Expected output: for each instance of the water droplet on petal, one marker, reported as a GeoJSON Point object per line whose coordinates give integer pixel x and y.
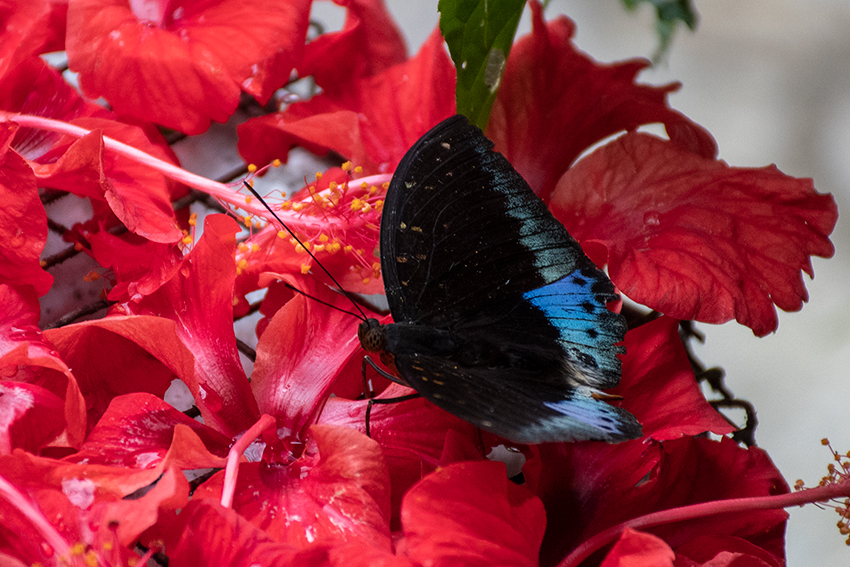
{"type": "Point", "coordinates": [46, 549]}
{"type": "Point", "coordinates": [652, 218]}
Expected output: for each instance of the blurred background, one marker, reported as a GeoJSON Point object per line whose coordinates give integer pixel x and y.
{"type": "Point", "coordinates": [771, 81]}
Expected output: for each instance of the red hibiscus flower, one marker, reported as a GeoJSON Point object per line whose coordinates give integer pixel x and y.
{"type": "Point", "coordinates": [93, 461]}
{"type": "Point", "coordinates": [193, 57]}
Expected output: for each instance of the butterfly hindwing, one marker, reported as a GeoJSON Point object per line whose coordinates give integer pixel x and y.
{"type": "Point", "coordinates": [488, 289]}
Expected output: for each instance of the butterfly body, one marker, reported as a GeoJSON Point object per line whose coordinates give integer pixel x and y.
{"type": "Point", "coordinates": [499, 317]}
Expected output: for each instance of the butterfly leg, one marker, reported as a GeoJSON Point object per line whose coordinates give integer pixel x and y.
{"type": "Point", "coordinates": [368, 360]}
{"type": "Point", "coordinates": [374, 401]}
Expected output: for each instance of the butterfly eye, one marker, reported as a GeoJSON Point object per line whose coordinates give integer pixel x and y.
{"type": "Point", "coordinates": [371, 335]}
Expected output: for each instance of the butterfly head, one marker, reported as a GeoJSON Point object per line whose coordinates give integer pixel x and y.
{"type": "Point", "coordinates": [372, 336]}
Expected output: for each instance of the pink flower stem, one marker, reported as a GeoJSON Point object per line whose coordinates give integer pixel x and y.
{"type": "Point", "coordinates": [231, 469]}
{"type": "Point", "coordinates": [214, 188]}
{"type": "Point", "coordinates": [737, 505]}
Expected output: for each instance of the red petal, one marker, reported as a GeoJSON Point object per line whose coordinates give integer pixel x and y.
{"type": "Point", "coordinates": [193, 60]}
{"type": "Point", "coordinates": [25, 356]}
{"type": "Point", "coordinates": [300, 355]}
{"type": "Point", "coordinates": [695, 238]}
{"type": "Point", "coordinates": [259, 41]}
{"type": "Point", "coordinates": [212, 535]}
{"type": "Point", "coordinates": [589, 487]}
{"type": "Point", "coordinates": [83, 503]}
{"type": "Point", "coordinates": [34, 87]}
{"type": "Point", "coordinates": [724, 552]}
{"type": "Point", "coordinates": [199, 299]}
{"type": "Point", "coordinates": [129, 518]}
{"type": "Point", "coordinates": [416, 437]}
{"type": "Point", "coordinates": [23, 222]}
{"type": "Point", "coordinates": [137, 195]}
{"type": "Point", "coordinates": [471, 514]}
{"type": "Point", "coordinates": [555, 102]}
{"type": "Point", "coordinates": [340, 495]}
{"type": "Point", "coordinates": [28, 28]}
{"type": "Point", "coordinates": [140, 266]}
{"type": "Point", "coordinates": [150, 423]}
{"type": "Point", "coordinates": [373, 122]}
{"type": "Point", "coordinates": [638, 549]}
{"type": "Point", "coordinates": [30, 417]}
{"type": "Point", "coordinates": [119, 355]}
{"type": "Point", "coordinates": [369, 42]}
{"type": "Point", "coordinates": [659, 385]}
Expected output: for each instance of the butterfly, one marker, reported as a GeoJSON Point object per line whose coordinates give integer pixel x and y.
{"type": "Point", "coordinates": [499, 317]}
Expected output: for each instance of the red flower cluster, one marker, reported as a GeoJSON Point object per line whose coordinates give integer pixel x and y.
{"type": "Point", "coordinates": [94, 463]}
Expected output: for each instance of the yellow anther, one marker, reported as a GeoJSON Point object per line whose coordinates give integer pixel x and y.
{"type": "Point", "coordinates": [276, 163]}
{"type": "Point", "coordinates": [318, 248]}
{"type": "Point", "coordinates": [242, 247]}
{"type": "Point", "coordinates": [356, 204]}
{"type": "Point", "coordinates": [249, 198]}
{"type": "Point", "coordinates": [286, 205]}
{"type": "Point", "coordinates": [366, 281]}
{"type": "Point", "coordinates": [186, 240]}
{"type": "Point", "coordinates": [255, 247]}
{"type": "Point", "coordinates": [193, 219]}
{"type": "Point", "coordinates": [348, 248]}
{"type": "Point", "coordinates": [281, 234]}
{"type": "Point", "coordinates": [318, 175]}
{"type": "Point", "coordinates": [252, 168]}
{"type": "Point", "coordinates": [346, 166]}
{"type": "Point", "coordinates": [379, 205]}
{"type": "Point", "coordinates": [297, 206]}
{"type": "Point", "coordinates": [305, 268]}
{"type": "Point", "coordinates": [246, 220]}
{"type": "Point", "coordinates": [358, 169]}
{"type": "Point", "coordinates": [323, 238]}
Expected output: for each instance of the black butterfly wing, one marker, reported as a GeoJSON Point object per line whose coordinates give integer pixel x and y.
{"type": "Point", "coordinates": [510, 408]}
{"type": "Point", "coordinates": [487, 288]}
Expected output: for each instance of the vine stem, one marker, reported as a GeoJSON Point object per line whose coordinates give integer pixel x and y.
{"type": "Point", "coordinates": [807, 496]}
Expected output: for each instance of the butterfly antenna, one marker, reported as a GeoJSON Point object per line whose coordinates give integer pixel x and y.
{"type": "Point", "coordinates": [316, 299]}
{"type": "Point", "coordinates": [359, 313]}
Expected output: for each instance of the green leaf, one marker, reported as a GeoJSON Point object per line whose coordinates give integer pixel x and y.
{"type": "Point", "coordinates": [479, 34]}
{"type": "Point", "coordinates": [668, 14]}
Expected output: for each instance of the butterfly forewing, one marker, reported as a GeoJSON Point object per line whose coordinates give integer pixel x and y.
{"type": "Point", "coordinates": [490, 291]}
